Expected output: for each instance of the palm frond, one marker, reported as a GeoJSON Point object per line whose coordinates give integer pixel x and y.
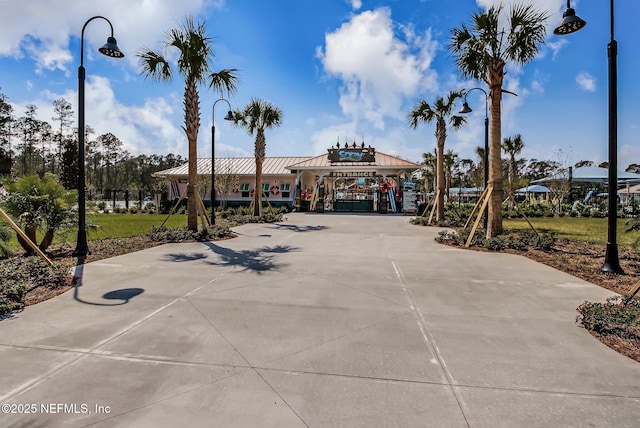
{"type": "Point", "coordinates": [527, 33]}
{"type": "Point", "coordinates": [224, 81]}
{"type": "Point", "coordinates": [153, 65]}
{"type": "Point", "coordinates": [194, 47]}
{"type": "Point", "coordinates": [421, 113]}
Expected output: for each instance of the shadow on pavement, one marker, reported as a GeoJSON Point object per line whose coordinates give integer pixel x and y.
{"type": "Point", "coordinates": [296, 228]}
{"type": "Point", "coordinates": [123, 294]}
{"type": "Point", "coordinates": [176, 257]}
{"type": "Point", "coordinates": [258, 260]}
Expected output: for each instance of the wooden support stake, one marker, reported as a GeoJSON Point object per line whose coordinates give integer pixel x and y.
{"type": "Point", "coordinates": [203, 212]}
{"type": "Point", "coordinates": [475, 208]}
{"type": "Point", "coordinates": [25, 237]}
{"type": "Point", "coordinates": [525, 216]}
{"type": "Point", "coordinates": [172, 211]}
{"type": "Point", "coordinates": [632, 293]}
{"type": "Point", "coordinates": [435, 204]}
{"type": "Point", "coordinates": [480, 213]}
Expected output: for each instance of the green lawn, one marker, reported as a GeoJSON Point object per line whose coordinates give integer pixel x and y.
{"type": "Point", "coordinates": [123, 225]}
{"type": "Point", "coordinates": [579, 228]}
{"type": "Point", "coordinates": [118, 226]}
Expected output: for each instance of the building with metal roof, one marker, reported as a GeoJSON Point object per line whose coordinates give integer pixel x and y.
{"type": "Point", "coordinates": [352, 173]}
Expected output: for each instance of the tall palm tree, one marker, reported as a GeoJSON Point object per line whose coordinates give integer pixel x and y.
{"type": "Point", "coordinates": [450, 161]}
{"type": "Point", "coordinates": [429, 170]}
{"type": "Point", "coordinates": [441, 112]}
{"type": "Point", "coordinates": [481, 52]}
{"type": "Point", "coordinates": [512, 146]}
{"type": "Point", "coordinates": [193, 63]}
{"type": "Point", "coordinates": [257, 116]}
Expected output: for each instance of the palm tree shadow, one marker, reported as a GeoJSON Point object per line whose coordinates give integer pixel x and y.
{"type": "Point", "coordinates": [296, 228]}
{"type": "Point", "coordinates": [259, 260]}
{"type": "Point", "coordinates": [186, 257]}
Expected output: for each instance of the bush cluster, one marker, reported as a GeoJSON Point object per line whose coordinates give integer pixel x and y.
{"type": "Point", "coordinates": [150, 208]}
{"type": "Point", "coordinates": [5, 236]}
{"type": "Point", "coordinates": [22, 274]}
{"type": "Point", "coordinates": [455, 215]}
{"type": "Point", "coordinates": [164, 234]}
{"type": "Point", "coordinates": [242, 215]}
{"type": "Point", "coordinates": [618, 316]}
{"type": "Point", "coordinates": [511, 239]}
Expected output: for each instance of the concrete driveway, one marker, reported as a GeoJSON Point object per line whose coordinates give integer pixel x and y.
{"type": "Point", "coordinates": [323, 320]}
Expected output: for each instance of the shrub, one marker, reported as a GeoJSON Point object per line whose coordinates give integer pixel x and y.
{"type": "Point", "coordinates": [241, 215]}
{"type": "Point", "coordinates": [164, 234]}
{"type": "Point", "coordinates": [39, 203]}
{"type": "Point", "coordinates": [421, 221]}
{"type": "Point", "coordinates": [613, 317]}
{"type": "Point", "coordinates": [455, 215]}
{"type": "Point", "coordinates": [445, 236]}
{"type": "Point", "coordinates": [496, 244]}
{"type": "Point", "coordinates": [633, 225]}
{"type": "Point", "coordinates": [5, 236]}
{"type": "Point", "coordinates": [511, 239]}
{"type": "Point", "coordinates": [23, 274]}
{"type": "Point", "coordinates": [102, 205]}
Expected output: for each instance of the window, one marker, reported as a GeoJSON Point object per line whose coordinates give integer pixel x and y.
{"type": "Point", "coordinates": [244, 190]}
{"type": "Point", "coordinates": [265, 188]}
{"type": "Point", "coordinates": [285, 189]}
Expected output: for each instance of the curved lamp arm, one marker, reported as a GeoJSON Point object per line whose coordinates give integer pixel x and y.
{"type": "Point", "coordinates": [109, 49]}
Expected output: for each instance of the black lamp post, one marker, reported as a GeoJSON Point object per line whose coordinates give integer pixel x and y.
{"type": "Point", "coordinates": [229, 116]}
{"type": "Point", "coordinates": [570, 24]}
{"type": "Point", "coordinates": [466, 109]}
{"type": "Point", "coordinates": [109, 49]}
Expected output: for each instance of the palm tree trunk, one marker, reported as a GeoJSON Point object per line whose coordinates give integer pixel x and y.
{"type": "Point", "coordinates": [192, 124]}
{"type": "Point", "coordinates": [260, 149]}
{"type": "Point", "coordinates": [494, 223]}
{"type": "Point", "coordinates": [512, 171]}
{"type": "Point", "coordinates": [47, 240]}
{"type": "Point", "coordinates": [441, 135]}
{"type": "Point", "coordinates": [30, 232]}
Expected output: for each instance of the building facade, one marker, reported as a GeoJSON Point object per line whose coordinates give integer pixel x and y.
{"type": "Point", "coordinates": [348, 178]}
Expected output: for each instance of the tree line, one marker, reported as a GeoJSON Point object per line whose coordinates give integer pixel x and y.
{"type": "Point", "coordinates": [31, 146]}
{"type": "Point", "coordinates": [520, 172]}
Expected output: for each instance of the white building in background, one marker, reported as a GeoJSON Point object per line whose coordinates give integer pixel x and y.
{"type": "Point", "coordinates": [350, 178]}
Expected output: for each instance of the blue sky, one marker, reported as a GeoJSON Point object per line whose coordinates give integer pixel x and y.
{"type": "Point", "coordinates": [338, 69]}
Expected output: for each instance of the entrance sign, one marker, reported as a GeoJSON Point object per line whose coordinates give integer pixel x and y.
{"type": "Point", "coordinates": [353, 174]}
{"type": "Point", "coordinates": [352, 154]}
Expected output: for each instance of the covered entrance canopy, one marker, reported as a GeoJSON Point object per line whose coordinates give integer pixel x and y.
{"type": "Point", "coordinates": [353, 177]}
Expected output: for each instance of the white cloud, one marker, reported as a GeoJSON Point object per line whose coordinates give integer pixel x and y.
{"type": "Point", "coordinates": [554, 8]}
{"type": "Point", "coordinates": [355, 4]}
{"type": "Point", "coordinates": [556, 45]}
{"type": "Point", "coordinates": [45, 27]}
{"type": "Point", "coordinates": [586, 81]}
{"type": "Point", "coordinates": [378, 70]}
{"type": "Point", "coordinates": [628, 154]}
{"type": "Point", "coordinates": [146, 128]}
{"type": "Point", "coordinates": [330, 135]}
{"type": "Point", "coordinates": [142, 128]}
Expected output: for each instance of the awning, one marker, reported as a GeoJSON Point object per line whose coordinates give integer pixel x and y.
{"type": "Point", "coordinates": [534, 188]}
